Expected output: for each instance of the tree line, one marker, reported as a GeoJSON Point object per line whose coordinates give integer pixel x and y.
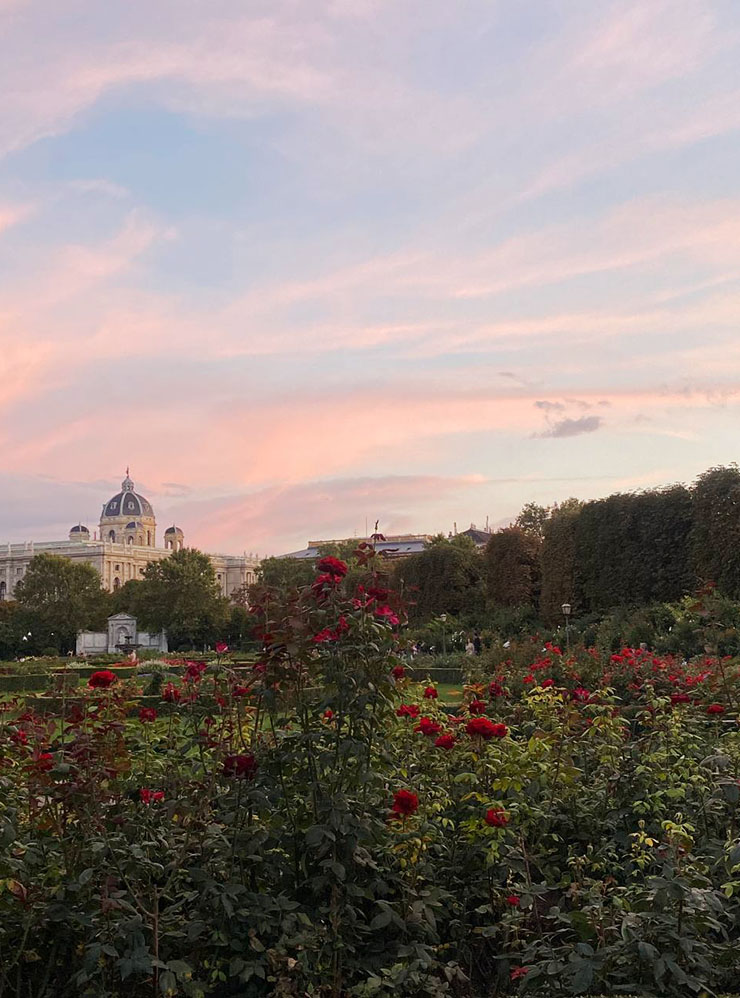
{"type": "Point", "coordinates": [180, 595]}
{"type": "Point", "coordinates": [626, 550]}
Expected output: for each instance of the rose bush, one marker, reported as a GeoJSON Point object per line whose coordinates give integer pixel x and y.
{"type": "Point", "coordinates": [322, 825]}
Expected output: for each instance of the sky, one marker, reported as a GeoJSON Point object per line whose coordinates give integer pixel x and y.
{"type": "Point", "coordinates": [303, 266]}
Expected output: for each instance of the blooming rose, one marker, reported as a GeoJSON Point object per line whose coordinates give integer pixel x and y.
{"type": "Point", "coordinates": [387, 614]}
{"type": "Point", "coordinates": [102, 680]}
{"type": "Point", "coordinates": [680, 698]}
{"type": "Point", "coordinates": [238, 690]}
{"type": "Point", "coordinates": [477, 706]}
{"type": "Point", "coordinates": [481, 727]}
{"type": "Point", "coordinates": [581, 694]}
{"type": "Point", "coordinates": [325, 635]}
{"type": "Point", "coordinates": [147, 796]}
{"type": "Point", "coordinates": [221, 647]}
{"type": "Point", "coordinates": [43, 762]}
{"type": "Point", "coordinates": [547, 683]}
{"type": "Point", "coordinates": [328, 714]}
{"type": "Point", "coordinates": [147, 715]}
{"type": "Point", "coordinates": [428, 727]}
{"type": "Point", "coordinates": [715, 708]}
{"type": "Point", "coordinates": [430, 693]}
{"type": "Point", "coordinates": [170, 693]}
{"type": "Point", "coordinates": [332, 566]}
{"type": "Point", "coordinates": [445, 741]}
{"type": "Point", "coordinates": [398, 672]}
{"type": "Point", "coordinates": [514, 900]}
{"type": "Point", "coordinates": [404, 804]}
{"type": "Point", "coordinates": [408, 710]}
{"type": "Point", "coordinates": [518, 972]}
{"type": "Point", "coordinates": [194, 671]}
{"type": "Point", "coordinates": [496, 817]}
{"type": "Point", "coordinates": [244, 766]}
{"type": "Point", "coordinates": [496, 689]}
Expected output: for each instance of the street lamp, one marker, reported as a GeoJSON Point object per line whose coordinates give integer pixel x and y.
{"type": "Point", "coordinates": [443, 618]}
{"type": "Point", "coordinates": [566, 608]}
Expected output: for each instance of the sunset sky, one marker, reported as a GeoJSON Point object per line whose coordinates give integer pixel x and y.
{"type": "Point", "coordinates": [305, 263]}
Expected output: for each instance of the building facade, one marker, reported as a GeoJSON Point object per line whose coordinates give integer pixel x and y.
{"type": "Point", "coordinates": [120, 550]}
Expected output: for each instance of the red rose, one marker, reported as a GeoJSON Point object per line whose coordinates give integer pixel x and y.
{"type": "Point", "coordinates": [328, 714]}
{"type": "Point", "coordinates": [408, 710]}
{"type": "Point", "coordinates": [715, 708]}
{"type": "Point", "coordinates": [514, 900]}
{"type": "Point", "coordinates": [518, 972]}
{"type": "Point", "coordinates": [547, 683]}
{"type": "Point", "coordinates": [428, 727]}
{"type": "Point", "coordinates": [221, 647]}
{"type": "Point", "coordinates": [528, 679]}
{"type": "Point", "coordinates": [243, 766]}
{"type": "Point", "coordinates": [481, 727]}
{"type": "Point", "coordinates": [170, 693]}
{"type": "Point", "coordinates": [430, 693]}
{"type": "Point", "coordinates": [239, 691]}
{"type": "Point", "coordinates": [477, 706]}
{"type": "Point", "coordinates": [147, 796]}
{"type": "Point", "coordinates": [680, 698]}
{"type": "Point", "coordinates": [147, 715]}
{"type": "Point", "coordinates": [332, 566]}
{"type": "Point", "coordinates": [398, 672]}
{"type": "Point", "coordinates": [496, 818]}
{"type": "Point", "coordinates": [43, 762]}
{"type": "Point", "coordinates": [445, 741]}
{"type": "Point", "coordinates": [404, 804]}
{"type": "Point", "coordinates": [194, 671]}
{"type": "Point", "coordinates": [102, 680]}
{"type": "Point", "coordinates": [386, 613]}
{"type": "Point", "coordinates": [496, 689]}
{"type": "Point", "coordinates": [581, 694]}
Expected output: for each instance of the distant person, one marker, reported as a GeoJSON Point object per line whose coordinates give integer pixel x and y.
{"type": "Point", "coordinates": [470, 647]}
{"type": "Point", "coordinates": [477, 643]}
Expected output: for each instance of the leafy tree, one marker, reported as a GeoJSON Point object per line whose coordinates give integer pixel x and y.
{"type": "Point", "coordinates": [181, 596]}
{"type": "Point", "coordinates": [285, 573]}
{"type": "Point", "coordinates": [447, 577]}
{"type": "Point", "coordinates": [715, 534]}
{"type": "Point", "coordinates": [57, 598]}
{"type": "Point", "coordinates": [512, 567]}
{"type": "Point", "coordinates": [558, 560]}
{"type": "Point", "coordinates": [125, 599]}
{"type": "Point", "coordinates": [532, 518]}
{"type": "Point", "coordinates": [11, 630]}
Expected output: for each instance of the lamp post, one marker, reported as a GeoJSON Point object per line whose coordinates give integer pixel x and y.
{"type": "Point", "coordinates": [566, 608]}
{"type": "Point", "coordinates": [443, 618]}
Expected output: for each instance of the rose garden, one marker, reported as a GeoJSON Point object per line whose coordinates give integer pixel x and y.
{"type": "Point", "coordinates": [323, 819]}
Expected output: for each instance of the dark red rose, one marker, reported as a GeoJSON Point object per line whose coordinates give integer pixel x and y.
{"type": "Point", "coordinates": [388, 614]}
{"type": "Point", "coordinates": [514, 900]}
{"type": "Point", "coordinates": [323, 636]}
{"type": "Point", "coordinates": [477, 706]}
{"type": "Point", "coordinates": [147, 715]}
{"type": "Point", "coordinates": [398, 672]}
{"type": "Point", "coordinates": [445, 741]}
{"type": "Point", "coordinates": [715, 708]}
{"type": "Point", "coordinates": [194, 671]}
{"type": "Point", "coordinates": [170, 693]}
{"type": "Point", "coordinates": [547, 683]}
{"type": "Point", "coordinates": [243, 766]}
{"type": "Point", "coordinates": [408, 710]}
{"type": "Point", "coordinates": [332, 566]}
{"type": "Point", "coordinates": [43, 762]}
{"type": "Point", "coordinates": [237, 690]}
{"type": "Point", "coordinates": [430, 693]}
{"type": "Point", "coordinates": [221, 647]}
{"type": "Point", "coordinates": [482, 727]}
{"type": "Point", "coordinates": [581, 694]}
{"type": "Point", "coordinates": [496, 689]}
{"type": "Point", "coordinates": [328, 714]}
{"type": "Point", "coordinates": [496, 817]}
{"type": "Point", "coordinates": [428, 727]}
{"type": "Point", "coordinates": [405, 803]}
{"type": "Point", "coordinates": [102, 680]}
{"type": "Point", "coordinates": [147, 796]}
{"type": "Point", "coordinates": [680, 698]}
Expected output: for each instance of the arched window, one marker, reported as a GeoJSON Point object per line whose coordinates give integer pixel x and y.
{"type": "Point", "coordinates": [148, 538]}
{"type": "Point", "coordinates": [116, 583]}
{"type": "Point", "coordinates": [3, 588]}
{"type": "Point", "coordinates": [131, 540]}
{"type": "Point", "coordinates": [112, 536]}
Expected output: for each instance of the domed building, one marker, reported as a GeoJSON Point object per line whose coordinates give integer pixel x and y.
{"type": "Point", "coordinates": [124, 546]}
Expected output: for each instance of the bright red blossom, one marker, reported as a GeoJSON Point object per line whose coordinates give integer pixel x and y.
{"type": "Point", "coordinates": [102, 680]}
{"type": "Point", "coordinates": [147, 796]}
{"type": "Point", "coordinates": [332, 566]}
{"type": "Point", "coordinates": [514, 900]}
{"type": "Point", "coordinates": [428, 727]}
{"type": "Point", "coordinates": [481, 727]}
{"type": "Point", "coordinates": [445, 741]}
{"type": "Point", "coordinates": [405, 803]}
{"type": "Point", "coordinates": [408, 710]}
{"type": "Point", "coordinates": [430, 693]}
{"type": "Point", "coordinates": [496, 817]}
{"type": "Point", "coordinates": [715, 708]}
{"type": "Point", "coordinates": [477, 706]}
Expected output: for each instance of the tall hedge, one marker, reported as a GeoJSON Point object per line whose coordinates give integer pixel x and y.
{"type": "Point", "coordinates": [715, 535]}
{"type": "Point", "coordinates": [558, 560]}
{"type": "Point", "coordinates": [512, 559]}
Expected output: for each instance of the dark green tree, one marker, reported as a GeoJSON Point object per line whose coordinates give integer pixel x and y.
{"type": "Point", "coordinates": [11, 630]}
{"type": "Point", "coordinates": [286, 573]}
{"type": "Point", "coordinates": [447, 577]}
{"type": "Point", "coordinates": [57, 598]}
{"type": "Point", "coordinates": [558, 561]}
{"type": "Point", "coordinates": [181, 596]}
{"type": "Point", "coordinates": [512, 568]}
{"type": "Point", "coordinates": [715, 534]}
{"type": "Point", "coordinates": [533, 518]}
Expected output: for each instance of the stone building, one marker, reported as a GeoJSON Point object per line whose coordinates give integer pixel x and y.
{"type": "Point", "coordinates": [122, 547]}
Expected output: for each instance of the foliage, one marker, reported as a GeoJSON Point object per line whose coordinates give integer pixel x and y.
{"type": "Point", "coordinates": [181, 596]}
{"type": "Point", "coordinates": [715, 532]}
{"type": "Point", "coordinates": [558, 560]}
{"type": "Point", "coordinates": [285, 572]}
{"type": "Point", "coordinates": [57, 598]}
{"type": "Point", "coordinates": [513, 568]}
{"type": "Point", "coordinates": [533, 518]}
{"type": "Point", "coordinates": [445, 578]}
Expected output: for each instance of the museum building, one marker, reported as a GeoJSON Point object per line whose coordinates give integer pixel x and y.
{"type": "Point", "coordinates": [120, 550]}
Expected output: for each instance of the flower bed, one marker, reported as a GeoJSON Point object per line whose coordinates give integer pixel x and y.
{"type": "Point", "coordinates": [320, 824]}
